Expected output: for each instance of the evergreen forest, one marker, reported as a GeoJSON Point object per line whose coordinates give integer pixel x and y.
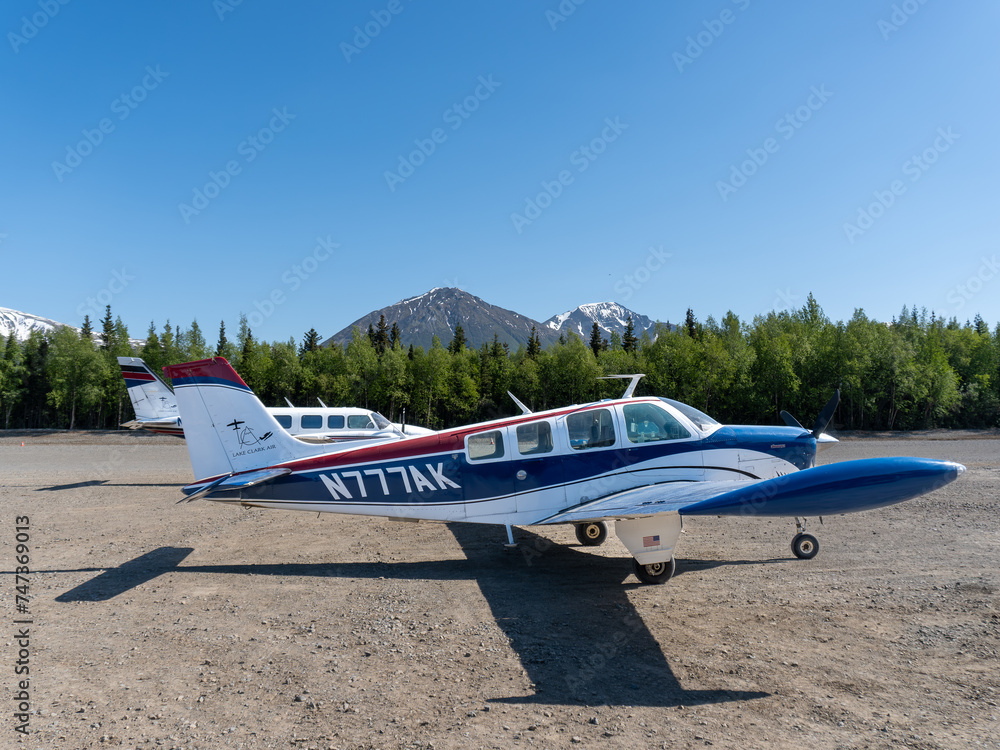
{"type": "Point", "coordinates": [917, 371]}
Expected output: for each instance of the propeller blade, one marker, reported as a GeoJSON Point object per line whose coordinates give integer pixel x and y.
{"type": "Point", "coordinates": [790, 420]}
{"type": "Point", "coordinates": [826, 416]}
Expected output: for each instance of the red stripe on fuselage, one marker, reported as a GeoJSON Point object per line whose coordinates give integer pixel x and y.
{"type": "Point", "coordinates": [448, 441]}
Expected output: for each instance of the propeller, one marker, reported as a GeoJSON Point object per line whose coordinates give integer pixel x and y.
{"type": "Point", "coordinates": [822, 421]}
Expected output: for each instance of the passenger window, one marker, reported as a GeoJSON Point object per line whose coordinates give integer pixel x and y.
{"type": "Point", "coordinates": [591, 429]}
{"type": "Point", "coordinates": [311, 421]}
{"type": "Point", "coordinates": [360, 422]}
{"type": "Point", "coordinates": [648, 423]}
{"type": "Point", "coordinates": [535, 437]}
{"type": "Point", "coordinates": [486, 445]}
{"type": "Point", "coordinates": [285, 420]}
{"type": "Point", "coordinates": [335, 422]}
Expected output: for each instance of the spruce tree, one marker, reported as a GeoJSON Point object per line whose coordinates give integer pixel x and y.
{"type": "Point", "coordinates": [629, 340]}
{"type": "Point", "coordinates": [458, 342]}
{"type": "Point", "coordinates": [690, 323]}
{"type": "Point", "coordinates": [381, 341]}
{"type": "Point", "coordinates": [534, 345]}
{"type": "Point", "coordinates": [87, 331]}
{"type": "Point", "coordinates": [310, 342]}
{"type": "Point", "coordinates": [108, 329]}
{"type": "Point", "coordinates": [394, 335]}
{"type": "Point", "coordinates": [595, 339]}
{"type": "Point", "coordinates": [220, 348]}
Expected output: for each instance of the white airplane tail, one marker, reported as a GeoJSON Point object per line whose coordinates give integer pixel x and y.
{"type": "Point", "coordinates": [228, 430]}
{"type": "Point", "coordinates": [151, 398]}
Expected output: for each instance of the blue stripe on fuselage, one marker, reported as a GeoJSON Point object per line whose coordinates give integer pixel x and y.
{"type": "Point", "coordinates": [429, 479]}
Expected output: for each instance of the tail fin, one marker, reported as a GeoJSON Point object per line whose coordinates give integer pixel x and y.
{"type": "Point", "coordinates": [228, 430]}
{"type": "Point", "coordinates": [151, 398]}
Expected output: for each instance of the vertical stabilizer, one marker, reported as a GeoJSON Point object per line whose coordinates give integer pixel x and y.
{"type": "Point", "coordinates": [151, 398]}
{"type": "Point", "coordinates": [227, 428]}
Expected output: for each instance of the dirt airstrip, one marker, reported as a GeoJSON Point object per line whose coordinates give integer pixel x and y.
{"type": "Point", "coordinates": [162, 625]}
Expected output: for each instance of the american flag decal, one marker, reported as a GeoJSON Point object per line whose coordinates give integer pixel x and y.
{"type": "Point", "coordinates": [651, 541]}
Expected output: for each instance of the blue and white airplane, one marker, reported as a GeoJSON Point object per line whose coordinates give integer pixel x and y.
{"type": "Point", "coordinates": [643, 463]}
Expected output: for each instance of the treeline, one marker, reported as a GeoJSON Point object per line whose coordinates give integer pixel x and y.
{"type": "Point", "coordinates": [918, 371]}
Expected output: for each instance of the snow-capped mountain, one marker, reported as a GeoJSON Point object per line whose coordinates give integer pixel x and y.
{"type": "Point", "coordinates": [609, 316]}
{"type": "Point", "coordinates": [22, 324]}
{"type": "Point", "coordinates": [437, 312]}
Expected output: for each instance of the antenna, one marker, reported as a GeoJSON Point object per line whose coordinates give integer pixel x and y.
{"type": "Point", "coordinates": [321, 403]}
{"type": "Point", "coordinates": [524, 409]}
{"type": "Point", "coordinates": [631, 386]}
{"type": "Point", "coordinates": [289, 402]}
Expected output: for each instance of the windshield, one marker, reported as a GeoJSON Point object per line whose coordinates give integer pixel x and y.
{"type": "Point", "coordinates": [380, 421]}
{"type": "Point", "coordinates": [700, 418]}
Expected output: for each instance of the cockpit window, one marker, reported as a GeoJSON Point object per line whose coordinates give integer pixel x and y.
{"type": "Point", "coordinates": [380, 421]}
{"type": "Point", "coordinates": [594, 428]}
{"type": "Point", "coordinates": [700, 418]}
{"type": "Point", "coordinates": [359, 422]}
{"type": "Point", "coordinates": [647, 423]}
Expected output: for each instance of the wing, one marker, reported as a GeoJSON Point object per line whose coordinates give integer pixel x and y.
{"type": "Point", "coordinates": [843, 487]}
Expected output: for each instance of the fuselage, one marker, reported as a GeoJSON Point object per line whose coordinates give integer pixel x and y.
{"type": "Point", "coordinates": [523, 469]}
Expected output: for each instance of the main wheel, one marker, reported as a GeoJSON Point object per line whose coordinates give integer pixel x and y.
{"type": "Point", "coordinates": [656, 573]}
{"type": "Point", "coordinates": [805, 546]}
{"type": "Point", "coordinates": [591, 534]}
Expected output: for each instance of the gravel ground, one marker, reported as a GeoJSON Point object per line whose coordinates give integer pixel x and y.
{"type": "Point", "coordinates": [156, 624]}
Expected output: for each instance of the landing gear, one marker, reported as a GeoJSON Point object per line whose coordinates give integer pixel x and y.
{"type": "Point", "coordinates": [654, 573]}
{"type": "Point", "coordinates": [804, 546]}
{"type": "Point", "coordinates": [591, 534]}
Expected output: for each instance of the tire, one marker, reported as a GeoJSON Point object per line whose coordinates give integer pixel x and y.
{"type": "Point", "coordinates": [591, 534]}
{"type": "Point", "coordinates": [655, 573]}
{"type": "Point", "coordinates": [805, 546]}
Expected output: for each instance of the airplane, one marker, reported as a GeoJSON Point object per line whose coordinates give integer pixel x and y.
{"type": "Point", "coordinates": [644, 463]}
{"type": "Point", "coordinates": [156, 410]}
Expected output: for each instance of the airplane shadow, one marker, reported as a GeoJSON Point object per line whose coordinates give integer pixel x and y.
{"type": "Point", "coordinates": [116, 581]}
{"type": "Point", "coordinates": [103, 483]}
{"type": "Point", "coordinates": [566, 613]}
{"type": "Point", "coordinates": [568, 616]}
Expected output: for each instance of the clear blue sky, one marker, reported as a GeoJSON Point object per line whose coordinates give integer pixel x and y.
{"type": "Point", "coordinates": [745, 142]}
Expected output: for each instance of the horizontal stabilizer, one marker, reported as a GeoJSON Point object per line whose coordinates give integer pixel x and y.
{"type": "Point", "coordinates": [234, 482]}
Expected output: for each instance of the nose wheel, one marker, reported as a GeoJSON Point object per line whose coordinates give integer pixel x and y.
{"type": "Point", "coordinates": [654, 573]}
{"type": "Point", "coordinates": [804, 546]}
